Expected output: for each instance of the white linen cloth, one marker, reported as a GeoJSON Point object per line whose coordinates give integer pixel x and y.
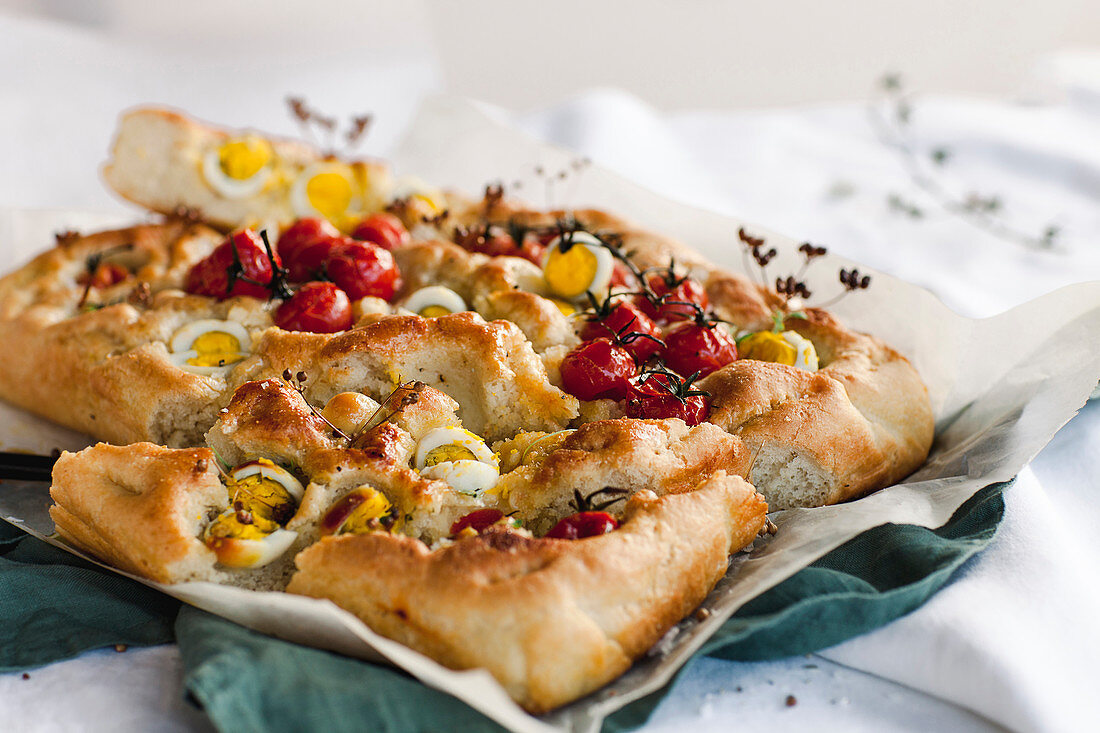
{"type": "Point", "coordinates": [1013, 638]}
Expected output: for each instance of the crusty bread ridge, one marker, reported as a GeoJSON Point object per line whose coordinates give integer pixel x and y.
{"type": "Point", "coordinates": [551, 619]}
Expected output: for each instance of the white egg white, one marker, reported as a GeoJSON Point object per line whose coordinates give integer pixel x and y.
{"type": "Point", "coordinates": [466, 476]}
{"type": "Point", "coordinates": [184, 338]}
{"type": "Point", "coordinates": [605, 261]}
{"type": "Point", "coordinates": [807, 354]}
{"type": "Point", "coordinates": [234, 552]}
{"type": "Point", "coordinates": [435, 295]}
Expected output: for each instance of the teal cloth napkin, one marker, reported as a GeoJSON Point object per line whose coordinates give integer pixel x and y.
{"type": "Point", "coordinates": [56, 606]}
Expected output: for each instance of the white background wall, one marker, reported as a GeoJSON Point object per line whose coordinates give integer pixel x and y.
{"type": "Point", "coordinates": [686, 54]}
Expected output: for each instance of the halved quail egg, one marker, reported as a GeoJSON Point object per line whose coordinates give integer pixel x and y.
{"type": "Point", "coordinates": [239, 167]}
{"type": "Point", "coordinates": [458, 457]}
{"type": "Point", "coordinates": [209, 346]}
{"type": "Point", "coordinates": [325, 189]}
{"type": "Point", "coordinates": [419, 196]}
{"type": "Point", "coordinates": [359, 511]}
{"type": "Point", "coordinates": [262, 499]}
{"type": "Point", "coordinates": [577, 263]}
{"type": "Point", "coordinates": [434, 301]}
{"type": "Point", "coordinates": [786, 347]}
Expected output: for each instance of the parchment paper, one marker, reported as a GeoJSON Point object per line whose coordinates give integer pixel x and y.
{"type": "Point", "coordinates": [1000, 388]}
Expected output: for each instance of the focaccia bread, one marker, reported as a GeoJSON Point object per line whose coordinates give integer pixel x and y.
{"type": "Point", "coordinates": [442, 413]}
{"type": "Point", "coordinates": [565, 615]}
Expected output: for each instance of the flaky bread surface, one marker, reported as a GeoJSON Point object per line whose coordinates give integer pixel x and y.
{"type": "Point", "coordinates": [551, 619]}
{"type": "Point", "coordinates": [157, 163]}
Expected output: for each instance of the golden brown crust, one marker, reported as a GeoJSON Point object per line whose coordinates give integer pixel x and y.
{"type": "Point", "coordinates": [664, 456]}
{"type": "Point", "coordinates": [551, 619]}
{"type": "Point", "coordinates": [140, 507]}
{"type": "Point", "coordinates": [488, 368]}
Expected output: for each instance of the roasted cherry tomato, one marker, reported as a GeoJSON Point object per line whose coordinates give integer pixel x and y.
{"type": "Point", "coordinates": [655, 399]}
{"type": "Point", "coordinates": [598, 368]}
{"type": "Point", "coordinates": [223, 275]}
{"type": "Point", "coordinates": [673, 292]}
{"type": "Point", "coordinates": [622, 277]}
{"type": "Point", "coordinates": [499, 243]}
{"type": "Point", "coordinates": [383, 229]}
{"type": "Point", "coordinates": [692, 347]}
{"type": "Point", "coordinates": [478, 520]}
{"type": "Point", "coordinates": [305, 247]}
{"type": "Point", "coordinates": [583, 524]}
{"type": "Point", "coordinates": [625, 321]}
{"type": "Point", "coordinates": [105, 275]}
{"type": "Point", "coordinates": [317, 307]}
{"type": "Point", "coordinates": [362, 269]}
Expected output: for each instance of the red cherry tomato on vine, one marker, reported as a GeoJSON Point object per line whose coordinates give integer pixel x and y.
{"type": "Point", "coordinates": [317, 307]}
{"type": "Point", "coordinates": [683, 291]}
{"type": "Point", "coordinates": [305, 247]}
{"type": "Point", "coordinates": [383, 229]}
{"type": "Point", "coordinates": [626, 317]}
{"type": "Point", "coordinates": [596, 369]}
{"type": "Point", "coordinates": [105, 275]}
{"type": "Point", "coordinates": [654, 400]}
{"type": "Point", "coordinates": [691, 348]}
{"type": "Point", "coordinates": [583, 524]}
{"type": "Point", "coordinates": [362, 269]}
{"type": "Point", "coordinates": [222, 275]}
{"type": "Point", "coordinates": [478, 520]}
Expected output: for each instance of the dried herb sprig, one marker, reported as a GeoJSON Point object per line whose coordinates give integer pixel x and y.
{"type": "Point", "coordinates": [297, 381]}
{"type": "Point", "coordinates": [311, 120]}
{"type": "Point", "coordinates": [582, 503]}
{"type": "Point", "coordinates": [891, 114]}
{"type": "Point", "coordinates": [679, 387]}
{"type": "Point", "coordinates": [92, 263]}
{"type": "Point", "coordinates": [792, 289]}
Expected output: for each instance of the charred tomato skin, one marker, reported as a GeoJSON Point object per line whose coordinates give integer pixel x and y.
{"type": "Point", "coordinates": [692, 347]}
{"type": "Point", "coordinates": [478, 520]}
{"type": "Point", "coordinates": [597, 369]}
{"type": "Point", "coordinates": [305, 247]}
{"type": "Point", "coordinates": [362, 269]}
{"type": "Point", "coordinates": [317, 307]}
{"type": "Point", "coordinates": [626, 317]}
{"type": "Point", "coordinates": [383, 229]}
{"type": "Point", "coordinates": [223, 274]}
{"type": "Point", "coordinates": [652, 400]}
{"type": "Point", "coordinates": [583, 524]}
{"type": "Point", "coordinates": [673, 296]}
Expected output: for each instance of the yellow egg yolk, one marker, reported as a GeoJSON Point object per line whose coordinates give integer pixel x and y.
{"type": "Point", "coordinates": [329, 193]}
{"type": "Point", "coordinates": [570, 274]}
{"type": "Point", "coordinates": [425, 202]}
{"type": "Point", "coordinates": [445, 453]}
{"type": "Point", "coordinates": [216, 348]}
{"type": "Point", "coordinates": [268, 501]}
{"type": "Point", "coordinates": [242, 159]}
{"type": "Point", "coordinates": [567, 309]}
{"type": "Point", "coordinates": [364, 517]}
{"type": "Point", "coordinates": [434, 311]}
{"type": "Point", "coordinates": [230, 526]}
{"type": "Point", "coordinates": [768, 346]}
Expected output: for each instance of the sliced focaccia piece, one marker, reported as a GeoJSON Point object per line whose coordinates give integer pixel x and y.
{"type": "Point", "coordinates": [551, 619]}
{"type": "Point", "coordinates": [165, 161]}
